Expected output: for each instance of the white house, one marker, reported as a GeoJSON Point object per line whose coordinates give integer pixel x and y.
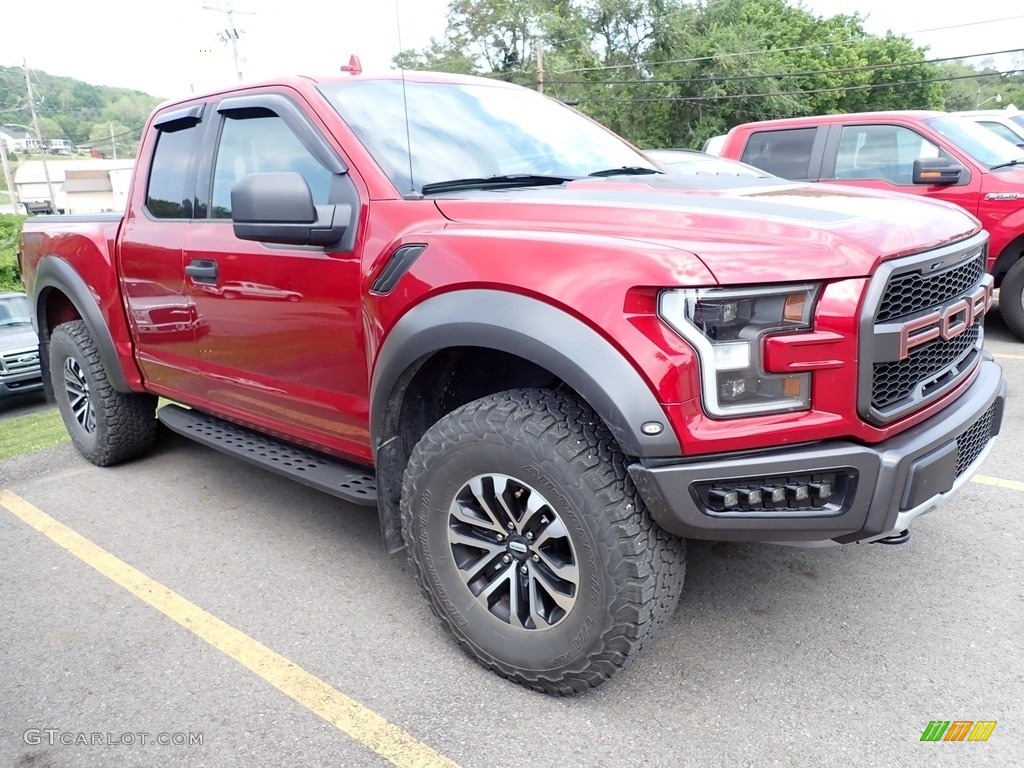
{"type": "Point", "coordinates": [80, 186]}
{"type": "Point", "coordinates": [17, 141]}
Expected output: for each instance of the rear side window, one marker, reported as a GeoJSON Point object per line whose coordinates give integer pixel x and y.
{"type": "Point", "coordinates": [784, 153]}
{"type": "Point", "coordinates": [170, 191]}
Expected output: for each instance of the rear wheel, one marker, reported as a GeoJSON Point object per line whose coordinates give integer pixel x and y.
{"type": "Point", "coordinates": [531, 543]}
{"type": "Point", "coordinates": [105, 425]}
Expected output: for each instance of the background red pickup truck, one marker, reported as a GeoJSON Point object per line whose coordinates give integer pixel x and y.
{"type": "Point", "coordinates": [932, 154]}
{"type": "Point", "coordinates": [543, 360]}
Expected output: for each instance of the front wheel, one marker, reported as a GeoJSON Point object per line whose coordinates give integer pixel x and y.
{"type": "Point", "coordinates": [532, 544]}
{"type": "Point", "coordinates": [105, 425]}
{"type": "Point", "coordinates": [1011, 299]}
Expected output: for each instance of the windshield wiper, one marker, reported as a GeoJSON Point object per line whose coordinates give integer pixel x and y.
{"type": "Point", "coordinates": [627, 170]}
{"type": "Point", "coordinates": [1008, 163]}
{"type": "Point", "coordinates": [508, 180]}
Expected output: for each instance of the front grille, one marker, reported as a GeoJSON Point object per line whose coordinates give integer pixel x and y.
{"type": "Point", "coordinates": [910, 293]}
{"type": "Point", "coordinates": [972, 441]}
{"type": "Point", "coordinates": [894, 381]}
{"type": "Point", "coordinates": [939, 294]}
{"type": "Point", "coordinates": [20, 361]}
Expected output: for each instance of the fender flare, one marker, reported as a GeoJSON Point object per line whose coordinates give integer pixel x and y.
{"type": "Point", "coordinates": [53, 273]}
{"type": "Point", "coordinates": [534, 331]}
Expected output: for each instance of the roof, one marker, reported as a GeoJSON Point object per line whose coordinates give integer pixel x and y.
{"type": "Point", "coordinates": [31, 171]}
{"type": "Point", "coordinates": [301, 82]}
{"type": "Point", "coordinates": [813, 120]}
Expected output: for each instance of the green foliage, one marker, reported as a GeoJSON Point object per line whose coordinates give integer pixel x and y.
{"type": "Point", "coordinates": [73, 110]}
{"type": "Point", "coordinates": [32, 432]}
{"type": "Point", "coordinates": [675, 72]}
{"type": "Point", "coordinates": [10, 229]}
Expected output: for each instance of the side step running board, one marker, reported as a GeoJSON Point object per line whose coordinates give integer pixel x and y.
{"type": "Point", "coordinates": [325, 473]}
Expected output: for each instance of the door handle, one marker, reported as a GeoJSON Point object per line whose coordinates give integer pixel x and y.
{"type": "Point", "coordinates": [202, 270]}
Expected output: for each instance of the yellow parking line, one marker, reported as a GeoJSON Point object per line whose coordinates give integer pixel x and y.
{"type": "Point", "coordinates": [362, 724]}
{"type": "Point", "coordinates": [1008, 357]}
{"type": "Point", "coordinates": [1014, 485]}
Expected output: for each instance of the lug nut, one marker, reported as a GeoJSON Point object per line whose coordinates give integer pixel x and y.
{"type": "Point", "coordinates": [506, 559]}
{"type": "Point", "coordinates": [536, 558]}
{"type": "Point", "coordinates": [529, 535]}
{"type": "Point", "coordinates": [510, 526]}
{"type": "Point", "coordinates": [501, 537]}
{"type": "Point", "coordinates": [523, 569]}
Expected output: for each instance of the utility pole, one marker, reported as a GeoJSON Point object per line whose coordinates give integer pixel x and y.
{"type": "Point", "coordinates": [113, 143]}
{"type": "Point", "coordinates": [39, 135]}
{"type": "Point", "coordinates": [231, 33]}
{"type": "Point", "coordinates": [9, 177]}
{"type": "Point", "coordinates": [540, 66]}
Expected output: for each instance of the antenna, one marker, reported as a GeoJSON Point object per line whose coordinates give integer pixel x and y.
{"type": "Point", "coordinates": [413, 194]}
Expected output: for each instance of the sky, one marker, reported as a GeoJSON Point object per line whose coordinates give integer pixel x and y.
{"type": "Point", "coordinates": [171, 49]}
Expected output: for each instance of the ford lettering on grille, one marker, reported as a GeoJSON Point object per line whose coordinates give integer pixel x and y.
{"type": "Point", "coordinates": [947, 323]}
{"type": "Point", "coordinates": [921, 331]}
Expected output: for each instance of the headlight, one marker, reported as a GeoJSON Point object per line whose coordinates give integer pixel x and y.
{"type": "Point", "coordinates": [727, 327]}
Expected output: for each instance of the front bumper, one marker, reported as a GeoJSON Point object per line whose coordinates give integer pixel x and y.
{"type": "Point", "coordinates": [878, 490]}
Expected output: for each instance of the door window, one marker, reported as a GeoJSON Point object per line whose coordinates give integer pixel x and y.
{"type": "Point", "coordinates": [170, 189]}
{"type": "Point", "coordinates": [881, 152]}
{"type": "Point", "coordinates": [262, 144]}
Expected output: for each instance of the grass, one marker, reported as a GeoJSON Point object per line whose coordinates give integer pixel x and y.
{"type": "Point", "coordinates": [35, 431]}
{"type": "Point", "coordinates": [31, 432]}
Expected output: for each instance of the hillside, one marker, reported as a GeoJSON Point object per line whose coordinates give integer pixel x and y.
{"type": "Point", "coordinates": [81, 113]}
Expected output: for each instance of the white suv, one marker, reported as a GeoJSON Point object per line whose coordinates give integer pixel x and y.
{"type": "Point", "coordinates": [1006, 123]}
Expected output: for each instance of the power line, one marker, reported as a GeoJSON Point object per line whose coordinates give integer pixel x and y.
{"type": "Point", "coordinates": [806, 73]}
{"type": "Point", "coordinates": [838, 89]}
{"type": "Point", "coordinates": [819, 44]}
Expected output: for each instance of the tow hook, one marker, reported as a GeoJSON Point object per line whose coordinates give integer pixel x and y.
{"type": "Point", "coordinates": [899, 538]}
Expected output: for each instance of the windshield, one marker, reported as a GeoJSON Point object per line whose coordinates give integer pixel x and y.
{"type": "Point", "coordinates": [976, 140]}
{"type": "Point", "coordinates": [14, 310]}
{"type": "Point", "coordinates": [1018, 119]}
{"type": "Point", "coordinates": [459, 130]}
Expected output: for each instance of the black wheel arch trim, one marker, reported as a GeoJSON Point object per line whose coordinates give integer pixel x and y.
{"type": "Point", "coordinates": [535, 331]}
{"type": "Point", "coordinates": [53, 273]}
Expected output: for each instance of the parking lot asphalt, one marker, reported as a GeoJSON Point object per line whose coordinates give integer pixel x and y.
{"type": "Point", "coordinates": [248, 621]}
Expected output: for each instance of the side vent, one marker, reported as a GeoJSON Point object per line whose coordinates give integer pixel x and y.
{"type": "Point", "coordinates": [397, 266]}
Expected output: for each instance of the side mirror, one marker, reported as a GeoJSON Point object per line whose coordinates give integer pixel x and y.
{"type": "Point", "coordinates": [278, 208]}
{"type": "Point", "coordinates": [937, 170]}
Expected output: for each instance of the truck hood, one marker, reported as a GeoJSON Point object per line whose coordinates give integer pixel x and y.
{"type": "Point", "coordinates": [17, 337]}
{"type": "Point", "coordinates": [742, 229]}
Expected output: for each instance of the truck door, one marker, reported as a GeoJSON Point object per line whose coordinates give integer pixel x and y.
{"type": "Point", "coordinates": [157, 218]}
{"type": "Point", "coordinates": [882, 155]}
{"type": "Point", "coordinates": [281, 343]}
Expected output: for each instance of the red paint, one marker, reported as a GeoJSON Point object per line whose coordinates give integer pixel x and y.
{"type": "Point", "coordinates": [995, 197]}
{"type": "Point", "coordinates": [287, 340]}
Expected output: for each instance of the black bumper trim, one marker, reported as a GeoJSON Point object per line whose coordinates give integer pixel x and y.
{"type": "Point", "coordinates": [891, 476]}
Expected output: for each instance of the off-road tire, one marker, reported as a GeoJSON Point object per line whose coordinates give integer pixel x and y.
{"type": "Point", "coordinates": [1011, 299]}
{"type": "Point", "coordinates": [630, 571]}
{"type": "Point", "coordinates": [105, 425]}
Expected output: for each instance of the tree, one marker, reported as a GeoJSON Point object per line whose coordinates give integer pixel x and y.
{"type": "Point", "coordinates": [672, 73]}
